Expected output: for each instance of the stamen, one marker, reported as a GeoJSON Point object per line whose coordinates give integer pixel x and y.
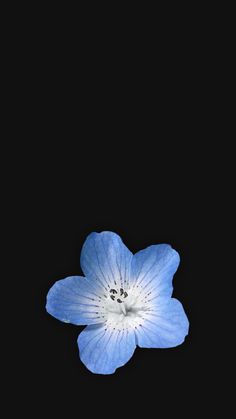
{"type": "Point", "coordinates": [113, 291]}
{"type": "Point", "coordinates": [123, 309]}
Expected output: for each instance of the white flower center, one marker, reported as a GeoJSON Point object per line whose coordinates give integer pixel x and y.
{"type": "Point", "coordinates": [124, 308]}
{"type": "Point", "coordinates": [119, 298]}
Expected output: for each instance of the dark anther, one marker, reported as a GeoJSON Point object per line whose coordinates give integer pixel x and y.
{"type": "Point", "coordinates": [125, 294]}
{"type": "Point", "coordinates": [119, 300]}
{"type": "Point", "coordinates": [121, 291]}
{"type": "Point", "coordinates": [113, 291]}
{"type": "Point", "coordinates": [112, 297]}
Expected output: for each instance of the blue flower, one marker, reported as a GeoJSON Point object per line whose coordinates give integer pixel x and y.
{"type": "Point", "coordinates": [124, 299]}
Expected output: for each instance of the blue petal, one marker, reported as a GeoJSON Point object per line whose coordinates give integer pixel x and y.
{"type": "Point", "coordinates": [164, 326]}
{"type": "Point", "coordinates": [102, 349]}
{"type": "Point", "coordinates": [76, 300]}
{"type": "Point", "coordinates": [153, 269]}
{"type": "Point", "coordinates": [106, 260]}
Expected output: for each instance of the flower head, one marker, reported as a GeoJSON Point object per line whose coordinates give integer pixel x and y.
{"type": "Point", "coordinates": [124, 299]}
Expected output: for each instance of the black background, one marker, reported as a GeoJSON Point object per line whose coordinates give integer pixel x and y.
{"type": "Point", "coordinates": [149, 193]}
{"type": "Point", "coordinates": [134, 152]}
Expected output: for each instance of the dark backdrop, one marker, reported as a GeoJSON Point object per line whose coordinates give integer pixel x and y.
{"type": "Point", "coordinates": [149, 187]}
{"type": "Point", "coordinates": [131, 152]}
